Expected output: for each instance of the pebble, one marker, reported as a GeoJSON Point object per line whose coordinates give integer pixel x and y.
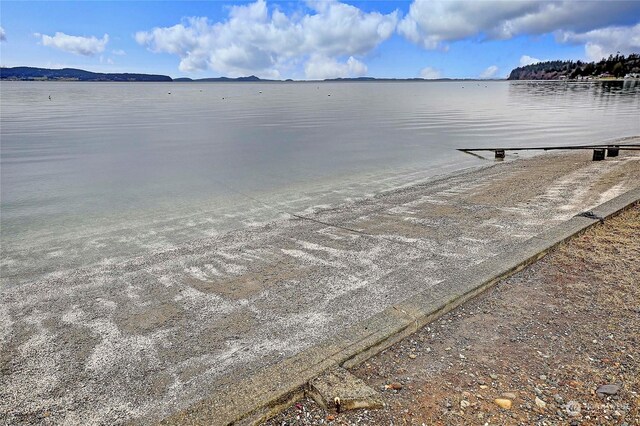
{"type": "Point", "coordinates": [464, 403]}
{"type": "Point", "coordinates": [493, 376]}
{"type": "Point", "coordinates": [394, 386]}
{"type": "Point", "coordinates": [504, 403]}
{"type": "Point", "coordinates": [540, 403]}
{"type": "Point", "coordinates": [413, 356]}
{"type": "Point", "coordinates": [509, 395]}
{"type": "Point", "coordinates": [608, 390]}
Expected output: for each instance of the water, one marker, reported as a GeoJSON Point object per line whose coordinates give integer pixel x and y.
{"type": "Point", "coordinates": [106, 171]}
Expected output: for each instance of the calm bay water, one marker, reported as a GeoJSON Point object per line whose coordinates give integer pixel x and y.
{"type": "Point", "coordinates": [105, 171]}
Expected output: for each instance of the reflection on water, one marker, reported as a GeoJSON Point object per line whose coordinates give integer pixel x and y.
{"type": "Point", "coordinates": [107, 170]}
{"type": "Point", "coordinates": [594, 88]}
{"type": "Point", "coordinates": [603, 97]}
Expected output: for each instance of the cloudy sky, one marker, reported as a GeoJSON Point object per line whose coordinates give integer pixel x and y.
{"type": "Point", "coordinates": [315, 39]}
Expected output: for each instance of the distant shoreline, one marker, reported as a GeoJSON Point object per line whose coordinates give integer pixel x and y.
{"type": "Point", "coordinates": [78, 75]}
{"type": "Point", "coordinates": [73, 75]}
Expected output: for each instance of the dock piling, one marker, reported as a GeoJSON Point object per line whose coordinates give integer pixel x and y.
{"type": "Point", "coordinates": [613, 151]}
{"type": "Point", "coordinates": [598, 154]}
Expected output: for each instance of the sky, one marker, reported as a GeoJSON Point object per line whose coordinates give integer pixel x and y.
{"type": "Point", "coordinates": [314, 39]}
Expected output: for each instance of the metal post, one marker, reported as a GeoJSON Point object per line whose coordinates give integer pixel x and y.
{"type": "Point", "coordinates": [598, 154]}
{"type": "Point", "coordinates": [613, 151]}
{"type": "Point", "coordinates": [499, 153]}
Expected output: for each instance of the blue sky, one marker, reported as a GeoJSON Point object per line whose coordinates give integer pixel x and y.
{"type": "Point", "coordinates": [314, 39]}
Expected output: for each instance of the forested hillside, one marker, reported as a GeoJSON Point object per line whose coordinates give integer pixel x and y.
{"type": "Point", "coordinates": [617, 66]}
{"type": "Point", "coordinates": [72, 74]}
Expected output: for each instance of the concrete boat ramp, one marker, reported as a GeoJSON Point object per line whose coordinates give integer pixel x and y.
{"type": "Point", "coordinates": [141, 340]}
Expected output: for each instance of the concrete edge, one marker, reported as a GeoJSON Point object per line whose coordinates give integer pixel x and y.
{"type": "Point", "coordinates": [274, 388]}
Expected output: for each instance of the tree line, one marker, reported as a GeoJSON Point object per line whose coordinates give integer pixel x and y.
{"type": "Point", "coordinates": [614, 66]}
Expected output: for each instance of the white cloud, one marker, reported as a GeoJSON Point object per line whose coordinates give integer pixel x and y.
{"type": "Point", "coordinates": [594, 52]}
{"type": "Point", "coordinates": [107, 61]}
{"type": "Point", "coordinates": [603, 42]}
{"type": "Point", "coordinates": [490, 72]}
{"type": "Point", "coordinates": [3, 35]}
{"type": "Point", "coordinates": [430, 73]}
{"type": "Point", "coordinates": [528, 60]}
{"type": "Point", "coordinates": [255, 41]}
{"type": "Point", "coordinates": [320, 67]}
{"type": "Point", "coordinates": [432, 23]}
{"type": "Point", "coordinates": [86, 46]}
{"type": "Point", "coordinates": [119, 52]}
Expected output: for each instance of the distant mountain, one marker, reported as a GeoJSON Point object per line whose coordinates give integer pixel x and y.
{"type": "Point", "coordinates": [72, 74]}
{"type": "Point", "coordinates": [250, 78]}
{"type": "Point", "coordinates": [617, 66]}
{"type": "Point", "coordinates": [219, 79]}
{"type": "Point", "coordinates": [390, 79]}
{"type": "Point", "coordinates": [351, 79]}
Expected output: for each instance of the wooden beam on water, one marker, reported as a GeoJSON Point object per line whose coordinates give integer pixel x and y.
{"type": "Point", "coordinates": [631, 147]}
{"type": "Point", "coordinates": [598, 150]}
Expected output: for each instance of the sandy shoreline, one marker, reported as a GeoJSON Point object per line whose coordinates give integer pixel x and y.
{"type": "Point", "coordinates": [143, 338]}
